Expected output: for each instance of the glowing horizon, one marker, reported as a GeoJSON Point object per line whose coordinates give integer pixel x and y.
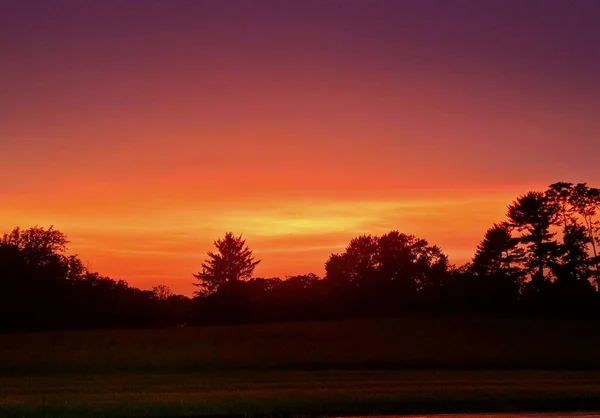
{"type": "Point", "coordinates": [144, 133]}
{"type": "Point", "coordinates": [167, 244]}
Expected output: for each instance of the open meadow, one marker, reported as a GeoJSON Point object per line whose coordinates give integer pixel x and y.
{"type": "Point", "coordinates": [344, 367]}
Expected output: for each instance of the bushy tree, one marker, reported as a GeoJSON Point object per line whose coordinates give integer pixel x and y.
{"type": "Point", "coordinates": [161, 292]}
{"type": "Point", "coordinates": [356, 263]}
{"type": "Point", "coordinates": [394, 260]}
{"type": "Point", "coordinates": [37, 244]}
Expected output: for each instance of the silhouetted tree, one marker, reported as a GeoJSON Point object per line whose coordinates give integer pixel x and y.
{"type": "Point", "coordinates": [38, 245]}
{"type": "Point", "coordinates": [572, 292]}
{"type": "Point", "coordinates": [43, 287]}
{"type": "Point", "coordinates": [37, 240]}
{"type": "Point", "coordinates": [355, 263]}
{"type": "Point", "coordinates": [383, 273]}
{"type": "Point", "coordinates": [497, 268]}
{"type": "Point", "coordinates": [410, 262]}
{"type": "Point", "coordinates": [586, 203]}
{"type": "Point", "coordinates": [76, 271]}
{"type": "Point", "coordinates": [498, 254]}
{"type": "Point", "coordinates": [162, 292]}
{"type": "Point", "coordinates": [232, 262]}
{"type": "Point", "coordinates": [574, 262]}
{"type": "Point", "coordinates": [300, 297]}
{"type": "Point", "coordinates": [578, 202]}
{"type": "Point", "coordinates": [533, 214]}
{"type": "Point", "coordinates": [562, 194]}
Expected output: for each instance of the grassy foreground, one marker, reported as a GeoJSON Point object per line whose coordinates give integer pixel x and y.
{"type": "Point", "coordinates": [335, 368]}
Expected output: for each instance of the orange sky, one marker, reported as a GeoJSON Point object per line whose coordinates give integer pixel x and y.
{"type": "Point", "coordinates": [146, 132]}
{"type": "Point", "coordinates": [150, 238]}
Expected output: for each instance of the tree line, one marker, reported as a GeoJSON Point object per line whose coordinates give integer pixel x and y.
{"type": "Point", "coordinates": [541, 260]}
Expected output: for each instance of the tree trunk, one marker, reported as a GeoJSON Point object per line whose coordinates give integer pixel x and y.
{"type": "Point", "coordinates": [592, 238]}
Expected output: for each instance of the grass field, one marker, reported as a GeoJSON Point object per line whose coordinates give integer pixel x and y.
{"type": "Point", "coordinates": [346, 367]}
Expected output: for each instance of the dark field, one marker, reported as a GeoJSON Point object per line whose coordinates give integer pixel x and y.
{"type": "Point", "coordinates": [346, 367]}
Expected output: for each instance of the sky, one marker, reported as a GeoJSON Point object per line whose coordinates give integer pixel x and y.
{"type": "Point", "coordinates": [146, 129]}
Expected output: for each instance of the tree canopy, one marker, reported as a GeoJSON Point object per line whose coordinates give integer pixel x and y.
{"type": "Point", "coordinates": [541, 259]}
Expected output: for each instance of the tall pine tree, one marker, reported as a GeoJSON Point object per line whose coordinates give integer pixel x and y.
{"type": "Point", "coordinates": [232, 261]}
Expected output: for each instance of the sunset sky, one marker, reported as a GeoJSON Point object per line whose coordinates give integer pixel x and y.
{"type": "Point", "coordinates": [146, 129]}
